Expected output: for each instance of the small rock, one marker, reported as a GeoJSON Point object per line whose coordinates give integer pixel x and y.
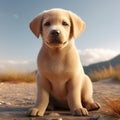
{"type": "Point", "coordinates": [8, 103]}
{"type": "Point", "coordinates": [54, 119]}
{"type": "Point", "coordinates": [26, 98]}
{"type": "Point", "coordinates": [4, 103]}
{"type": "Point", "coordinates": [54, 114]}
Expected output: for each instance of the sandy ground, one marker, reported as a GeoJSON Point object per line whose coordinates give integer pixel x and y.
{"type": "Point", "coordinates": [16, 99]}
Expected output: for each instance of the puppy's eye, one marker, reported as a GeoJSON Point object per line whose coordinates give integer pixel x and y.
{"type": "Point", "coordinates": [65, 23]}
{"type": "Point", "coordinates": [47, 24]}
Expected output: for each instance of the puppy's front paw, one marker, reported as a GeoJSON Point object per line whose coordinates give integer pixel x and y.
{"type": "Point", "coordinates": [80, 112]}
{"type": "Point", "coordinates": [35, 112]}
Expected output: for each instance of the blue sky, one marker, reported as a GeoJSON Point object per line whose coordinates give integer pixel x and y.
{"type": "Point", "coordinates": [100, 41]}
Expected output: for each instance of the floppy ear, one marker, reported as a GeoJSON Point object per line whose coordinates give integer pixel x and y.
{"type": "Point", "coordinates": [36, 25]}
{"type": "Point", "coordinates": [77, 25]}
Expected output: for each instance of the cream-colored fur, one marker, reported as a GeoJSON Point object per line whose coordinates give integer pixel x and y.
{"type": "Point", "coordinates": [60, 74]}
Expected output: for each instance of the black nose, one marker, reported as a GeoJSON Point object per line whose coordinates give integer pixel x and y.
{"type": "Point", "coordinates": [55, 32]}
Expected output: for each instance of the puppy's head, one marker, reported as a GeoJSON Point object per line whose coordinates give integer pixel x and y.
{"type": "Point", "coordinates": [57, 27]}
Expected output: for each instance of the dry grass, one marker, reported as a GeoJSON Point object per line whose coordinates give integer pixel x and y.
{"type": "Point", "coordinates": [117, 76]}
{"type": "Point", "coordinates": [113, 106]}
{"type": "Point", "coordinates": [15, 77]}
{"type": "Point", "coordinates": [105, 73]}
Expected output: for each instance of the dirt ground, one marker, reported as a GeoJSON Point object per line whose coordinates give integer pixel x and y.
{"type": "Point", "coordinates": [16, 99]}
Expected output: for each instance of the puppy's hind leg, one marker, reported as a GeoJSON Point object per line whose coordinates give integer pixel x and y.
{"type": "Point", "coordinates": [87, 95]}
{"type": "Point", "coordinates": [74, 99]}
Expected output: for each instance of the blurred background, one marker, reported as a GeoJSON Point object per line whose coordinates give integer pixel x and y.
{"type": "Point", "coordinates": [19, 47]}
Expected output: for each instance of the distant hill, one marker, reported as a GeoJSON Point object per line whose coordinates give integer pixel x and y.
{"type": "Point", "coordinates": [97, 66]}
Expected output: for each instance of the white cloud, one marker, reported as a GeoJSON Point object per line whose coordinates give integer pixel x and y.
{"type": "Point", "coordinates": [89, 56]}
{"type": "Point", "coordinates": [18, 66]}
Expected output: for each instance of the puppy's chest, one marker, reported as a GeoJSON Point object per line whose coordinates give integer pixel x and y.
{"type": "Point", "coordinates": [55, 68]}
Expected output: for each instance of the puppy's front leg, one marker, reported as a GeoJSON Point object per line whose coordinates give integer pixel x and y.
{"type": "Point", "coordinates": [74, 97]}
{"type": "Point", "coordinates": [42, 98]}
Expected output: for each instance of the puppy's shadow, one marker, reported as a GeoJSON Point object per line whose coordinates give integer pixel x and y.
{"type": "Point", "coordinates": [6, 112]}
{"type": "Point", "coordinates": [18, 113]}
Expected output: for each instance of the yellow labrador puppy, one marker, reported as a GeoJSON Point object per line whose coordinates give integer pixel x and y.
{"type": "Point", "coordinates": [60, 74]}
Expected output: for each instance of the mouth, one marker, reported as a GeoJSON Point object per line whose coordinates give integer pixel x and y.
{"type": "Point", "coordinates": [56, 44]}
